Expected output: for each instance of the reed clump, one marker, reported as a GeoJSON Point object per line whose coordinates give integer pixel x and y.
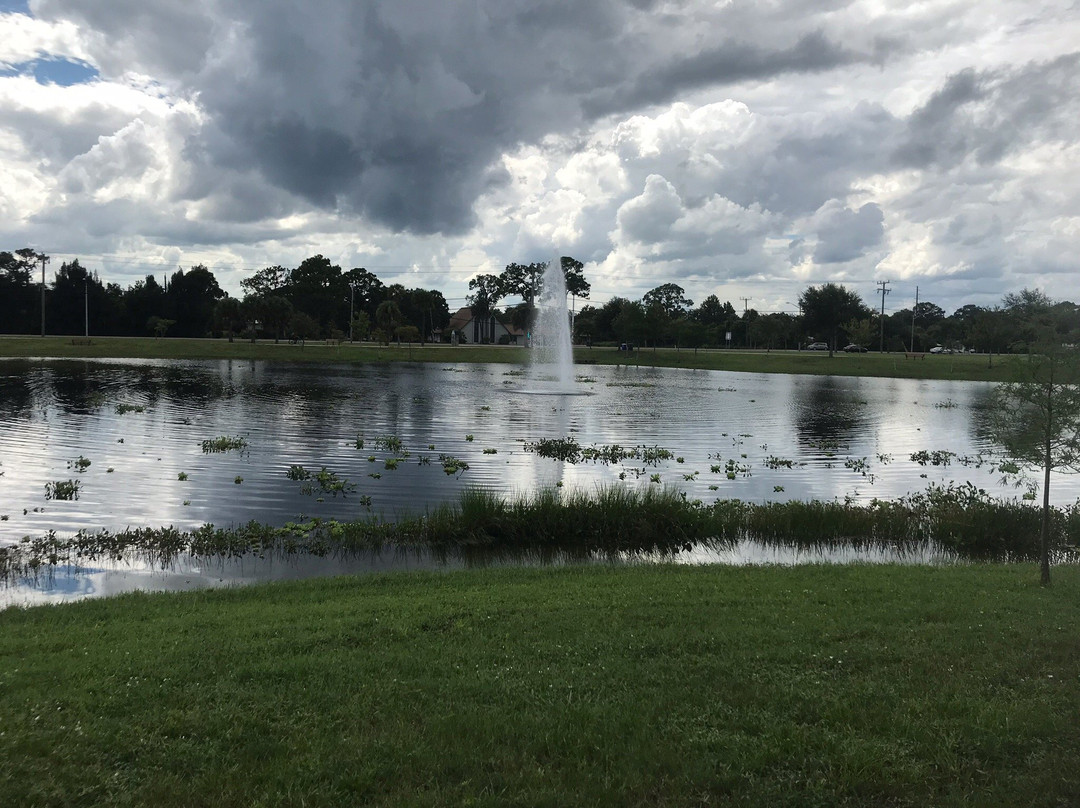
{"type": "Point", "coordinates": [960, 519]}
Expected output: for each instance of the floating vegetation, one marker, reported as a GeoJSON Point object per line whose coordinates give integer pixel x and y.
{"type": "Point", "coordinates": [182, 476]}
{"type": "Point", "coordinates": [452, 465]}
{"type": "Point", "coordinates": [424, 460]}
{"type": "Point", "coordinates": [391, 463]}
{"type": "Point", "coordinates": [124, 409]}
{"type": "Point", "coordinates": [654, 478]}
{"type": "Point", "coordinates": [491, 451]}
{"type": "Point", "coordinates": [568, 450]}
{"type": "Point", "coordinates": [778, 489]}
{"type": "Point", "coordinates": [238, 479]}
{"type": "Point", "coordinates": [585, 379]}
{"type": "Point", "coordinates": [861, 466]}
{"type": "Point", "coordinates": [80, 464]}
{"type": "Point", "coordinates": [109, 470]}
{"type": "Point", "coordinates": [485, 408]}
{"type": "Point", "coordinates": [223, 444]}
{"type": "Point", "coordinates": [884, 459]}
{"type": "Point", "coordinates": [947, 404]}
{"type": "Point", "coordinates": [691, 476]}
{"type": "Point", "coordinates": [514, 373]}
{"type": "Point", "coordinates": [323, 481]}
{"type": "Point", "coordinates": [935, 458]}
{"type": "Point", "coordinates": [777, 463]}
{"type": "Point", "coordinates": [469, 438]}
{"type": "Point", "coordinates": [62, 489]}
{"type": "Point", "coordinates": [726, 390]}
{"type": "Point", "coordinates": [680, 459]}
{"type": "Point", "coordinates": [733, 469]}
{"type": "Point", "coordinates": [389, 443]}
{"type": "Point", "coordinates": [359, 443]}
{"type": "Point", "coordinates": [375, 475]}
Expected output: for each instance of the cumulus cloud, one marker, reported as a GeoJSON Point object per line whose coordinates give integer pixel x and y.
{"type": "Point", "coordinates": [715, 143]}
{"type": "Point", "coordinates": [845, 234]}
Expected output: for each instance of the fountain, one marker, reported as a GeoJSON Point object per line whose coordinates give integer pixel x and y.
{"type": "Point", "coordinates": [552, 366]}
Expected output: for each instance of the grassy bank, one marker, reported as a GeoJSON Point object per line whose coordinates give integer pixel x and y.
{"type": "Point", "coordinates": [871, 364]}
{"type": "Point", "coordinates": [834, 686]}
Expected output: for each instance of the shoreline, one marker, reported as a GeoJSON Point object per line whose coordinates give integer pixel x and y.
{"type": "Point", "coordinates": [949, 367]}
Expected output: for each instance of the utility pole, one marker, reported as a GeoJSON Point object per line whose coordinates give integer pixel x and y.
{"type": "Point", "coordinates": [352, 295]}
{"type": "Point", "coordinates": [883, 287]}
{"type": "Point", "coordinates": [44, 259]}
{"type": "Point", "coordinates": [914, 312]}
{"type": "Point", "coordinates": [746, 317]}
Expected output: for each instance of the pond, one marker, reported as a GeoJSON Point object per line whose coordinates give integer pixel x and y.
{"type": "Point", "coordinates": [133, 442]}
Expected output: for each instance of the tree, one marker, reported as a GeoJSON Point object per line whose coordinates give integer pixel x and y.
{"type": "Point", "coordinates": [319, 289]}
{"type": "Point", "coordinates": [1036, 419]}
{"type": "Point", "coordinates": [860, 332]}
{"type": "Point", "coordinates": [486, 292]}
{"type": "Point", "coordinates": [266, 282]}
{"type": "Point", "coordinates": [629, 324]}
{"type": "Point", "coordinates": [229, 318]}
{"type": "Point", "coordinates": [18, 297]}
{"type": "Point", "coordinates": [190, 301]}
{"type": "Point", "coordinates": [670, 297]}
{"type": "Point", "coordinates": [827, 306]}
{"type": "Point", "coordinates": [387, 318]}
{"type": "Point", "coordinates": [573, 273]}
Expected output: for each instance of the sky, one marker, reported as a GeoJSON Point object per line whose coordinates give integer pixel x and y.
{"type": "Point", "coordinates": [742, 149]}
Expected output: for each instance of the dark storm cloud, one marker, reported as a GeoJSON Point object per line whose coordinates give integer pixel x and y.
{"type": "Point", "coordinates": [731, 62]}
{"type": "Point", "coordinates": [398, 109]}
{"type": "Point", "coordinates": [844, 235]}
{"type": "Point", "coordinates": [986, 115]}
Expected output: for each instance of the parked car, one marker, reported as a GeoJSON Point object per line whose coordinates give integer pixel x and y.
{"type": "Point", "coordinates": [938, 349]}
{"type": "Point", "coordinates": [853, 348]}
{"type": "Point", "coordinates": [818, 346]}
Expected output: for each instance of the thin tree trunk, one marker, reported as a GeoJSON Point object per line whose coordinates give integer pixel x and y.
{"type": "Point", "coordinates": [1044, 530]}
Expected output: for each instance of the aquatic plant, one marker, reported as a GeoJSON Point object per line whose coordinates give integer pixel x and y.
{"type": "Point", "coordinates": [62, 489]}
{"type": "Point", "coordinates": [934, 458]}
{"type": "Point", "coordinates": [772, 462]}
{"type": "Point", "coordinates": [80, 464]}
{"type": "Point", "coordinates": [491, 451]}
{"type": "Point", "coordinates": [469, 438]}
{"type": "Point", "coordinates": [391, 463]}
{"type": "Point", "coordinates": [124, 409]}
{"type": "Point", "coordinates": [182, 476]}
{"type": "Point", "coordinates": [223, 444]}
{"type": "Point", "coordinates": [452, 465]}
{"type": "Point", "coordinates": [238, 479]}
{"type": "Point", "coordinates": [389, 443]}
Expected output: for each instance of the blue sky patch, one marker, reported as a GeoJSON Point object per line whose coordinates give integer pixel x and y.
{"type": "Point", "coordinates": [64, 72]}
{"type": "Point", "coordinates": [20, 6]}
{"type": "Point", "coordinates": [54, 70]}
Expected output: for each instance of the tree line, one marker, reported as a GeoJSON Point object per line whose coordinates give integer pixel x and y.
{"type": "Point", "coordinates": [318, 299]}
{"type": "Point", "coordinates": [829, 313]}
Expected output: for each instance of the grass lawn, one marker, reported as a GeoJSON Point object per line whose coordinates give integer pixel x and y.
{"type": "Point", "coordinates": [647, 685]}
{"type": "Point", "coordinates": [971, 367]}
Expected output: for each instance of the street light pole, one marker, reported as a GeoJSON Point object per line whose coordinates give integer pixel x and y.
{"type": "Point", "coordinates": [44, 259]}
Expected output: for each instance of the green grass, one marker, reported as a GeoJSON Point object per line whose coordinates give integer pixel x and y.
{"type": "Point", "coordinates": [651, 685]}
{"type": "Point", "coordinates": [953, 366]}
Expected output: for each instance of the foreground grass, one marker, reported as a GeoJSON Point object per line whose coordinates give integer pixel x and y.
{"type": "Point", "coordinates": [950, 367]}
{"type": "Point", "coordinates": [649, 685]}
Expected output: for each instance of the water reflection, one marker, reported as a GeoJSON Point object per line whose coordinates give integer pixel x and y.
{"type": "Point", "coordinates": [786, 437]}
